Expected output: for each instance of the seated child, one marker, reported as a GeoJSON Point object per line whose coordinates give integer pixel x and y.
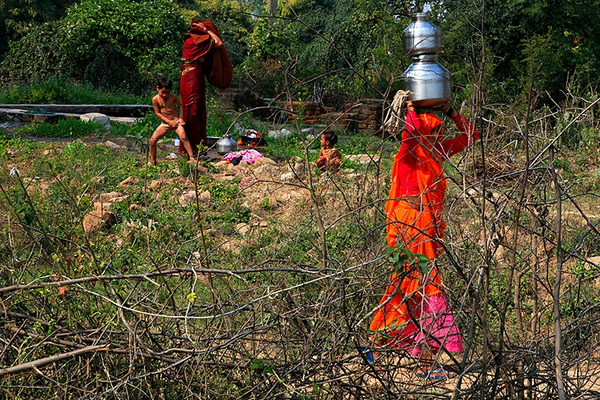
{"type": "Point", "coordinates": [329, 158]}
{"type": "Point", "coordinates": [167, 108]}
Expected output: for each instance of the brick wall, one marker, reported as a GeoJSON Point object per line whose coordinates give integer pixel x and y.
{"type": "Point", "coordinates": [363, 115]}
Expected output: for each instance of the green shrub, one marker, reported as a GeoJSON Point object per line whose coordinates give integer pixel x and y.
{"type": "Point", "coordinates": [109, 43]}
{"type": "Point", "coordinates": [38, 55]}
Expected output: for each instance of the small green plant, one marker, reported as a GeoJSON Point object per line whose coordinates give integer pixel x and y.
{"type": "Point", "coordinates": [63, 91]}
{"type": "Point", "coordinates": [218, 120]}
{"type": "Point", "coordinates": [401, 258]}
{"type": "Point", "coordinates": [140, 131]}
{"type": "Point", "coordinates": [67, 128]}
{"type": "Point", "coordinates": [265, 203]}
{"type": "Point", "coordinates": [185, 168]}
{"type": "Point", "coordinates": [260, 366]}
{"type": "Point", "coordinates": [73, 149]}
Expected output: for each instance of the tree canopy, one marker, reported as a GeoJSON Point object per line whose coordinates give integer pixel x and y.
{"type": "Point", "coordinates": [346, 46]}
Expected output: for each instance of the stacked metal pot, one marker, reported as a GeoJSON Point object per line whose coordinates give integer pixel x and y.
{"type": "Point", "coordinates": [428, 81]}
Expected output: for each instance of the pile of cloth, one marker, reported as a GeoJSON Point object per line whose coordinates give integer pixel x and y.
{"type": "Point", "coordinates": [235, 157]}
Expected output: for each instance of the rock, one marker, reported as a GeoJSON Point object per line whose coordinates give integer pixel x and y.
{"type": "Point", "coordinates": [187, 198]}
{"type": "Point", "coordinates": [127, 182]}
{"type": "Point", "coordinates": [243, 229]}
{"type": "Point", "coordinates": [299, 168]}
{"type": "Point", "coordinates": [204, 196]}
{"type": "Point", "coordinates": [98, 219]}
{"type": "Point", "coordinates": [265, 171]}
{"type": "Point", "coordinates": [113, 145]}
{"type": "Point", "coordinates": [112, 197]}
{"type": "Point", "coordinates": [190, 197]}
{"type": "Point", "coordinates": [99, 118]}
{"type": "Point", "coordinates": [227, 167]}
{"type": "Point", "coordinates": [594, 260]}
{"type": "Point", "coordinates": [91, 223]}
{"type": "Point", "coordinates": [222, 164]}
{"type": "Point", "coordinates": [285, 197]}
{"type": "Point", "coordinates": [264, 161]}
{"type": "Point", "coordinates": [247, 181]}
{"type": "Point", "coordinates": [273, 203]}
{"type": "Point", "coordinates": [288, 177]}
{"type": "Point", "coordinates": [155, 184]}
{"type": "Point", "coordinates": [225, 177]}
{"type": "Point", "coordinates": [232, 246]}
{"type": "Point", "coordinates": [241, 172]}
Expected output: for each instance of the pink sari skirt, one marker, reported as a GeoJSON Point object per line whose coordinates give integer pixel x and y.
{"type": "Point", "coordinates": [431, 327]}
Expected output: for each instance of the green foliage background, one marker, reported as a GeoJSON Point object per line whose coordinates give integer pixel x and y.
{"type": "Point", "coordinates": [352, 48]}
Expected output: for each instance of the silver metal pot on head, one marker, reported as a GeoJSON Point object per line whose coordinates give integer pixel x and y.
{"type": "Point", "coordinates": [226, 145]}
{"type": "Point", "coordinates": [421, 36]}
{"type": "Point", "coordinates": [428, 81]}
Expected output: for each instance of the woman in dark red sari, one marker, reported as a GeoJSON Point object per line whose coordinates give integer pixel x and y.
{"type": "Point", "coordinates": [204, 55]}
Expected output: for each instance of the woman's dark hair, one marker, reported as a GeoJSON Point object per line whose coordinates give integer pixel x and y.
{"type": "Point", "coordinates": [164, 82]}
{"type": "Point", "coordinates": [331, 137]}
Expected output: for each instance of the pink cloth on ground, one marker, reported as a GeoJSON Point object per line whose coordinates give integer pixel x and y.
{"type": "Point", "coordinates": [432, 326]}
{"type": "Point", "coordinates": [250, 156]}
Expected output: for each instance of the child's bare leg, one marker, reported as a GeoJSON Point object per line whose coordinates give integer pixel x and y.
{"type": "Point", "coordinates": [159, 133]}
{"type": "Point", "coordinates": [184, 140]}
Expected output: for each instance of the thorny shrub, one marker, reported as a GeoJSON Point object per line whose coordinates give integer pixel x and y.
{"type": "Point", "coordinates": [232, 299]}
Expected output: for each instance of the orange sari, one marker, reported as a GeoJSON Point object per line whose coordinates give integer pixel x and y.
{"type": "Point", "coordinates": [413, 311]}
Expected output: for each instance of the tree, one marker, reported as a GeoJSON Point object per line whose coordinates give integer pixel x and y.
{"type": "Point", "coordinates": [143, 37]}
{"type": "Point", "coordinates": [272, 8]}
{"type": "Point", "coordinates": [18, 17]}
{"type": "Point", "coordinates": [556, 36]}
{"type": "Point", "coordinates": [110, 43]}
{"type": "Point", "coordinates": [352, 46]}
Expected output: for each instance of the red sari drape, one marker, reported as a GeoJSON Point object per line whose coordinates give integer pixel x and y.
{"type": "Point", "coordinates": [201, 60]}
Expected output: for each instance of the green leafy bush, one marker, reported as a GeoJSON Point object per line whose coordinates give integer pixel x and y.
{"type": "Point", "coordinates": [144, 36]}
{"type": "Point", "coordinates": [38, 55]}
{"type": "Point", "coordinates": [112, 44]}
